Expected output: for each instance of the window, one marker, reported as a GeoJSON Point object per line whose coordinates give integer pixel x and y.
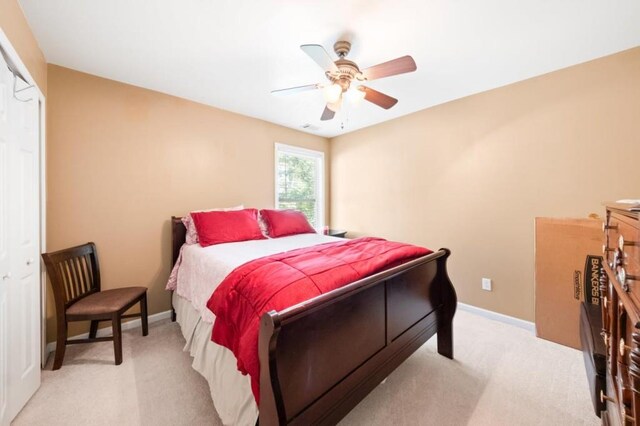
{"type": "Point", "coordinates": [300, 182]}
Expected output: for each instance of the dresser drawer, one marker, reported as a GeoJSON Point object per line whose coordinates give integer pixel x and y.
{"type": "Point", "coordinates": [622, 251]}
{"type": "Point", "coordinates": [620, 290]}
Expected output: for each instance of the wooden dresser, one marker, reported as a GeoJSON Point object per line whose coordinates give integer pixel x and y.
{"type": "Point", "coordinates": [620, 292]}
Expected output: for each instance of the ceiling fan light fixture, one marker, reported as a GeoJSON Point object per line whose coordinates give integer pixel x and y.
{"type": "Point", "coordinates": [334, 106]}
{"type": "Point", "coordinates": [355, 95]}
{"type": "Point", "coordinates": [332, 93]}
{"type": "Point", "coordinates": [342, 73]}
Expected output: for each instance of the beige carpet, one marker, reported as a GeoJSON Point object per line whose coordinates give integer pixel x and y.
{"type": "Point", "coordinates": [502, 375]}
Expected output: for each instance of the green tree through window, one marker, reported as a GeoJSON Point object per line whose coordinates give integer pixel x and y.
{"type": "Point", "coordinates": [297, 183]}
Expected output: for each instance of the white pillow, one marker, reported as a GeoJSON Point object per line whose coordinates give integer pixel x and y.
{"type": "Point", "coordinates": [192, 234]}
{"type": "Point", "coordinates": [263, 225]}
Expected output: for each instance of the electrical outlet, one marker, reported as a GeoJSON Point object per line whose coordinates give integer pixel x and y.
{"type": "Point", "coordinates": [486, 284]}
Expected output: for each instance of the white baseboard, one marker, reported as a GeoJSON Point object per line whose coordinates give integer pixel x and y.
{"type": "Point", "coordinates": [108, 331]}
{"type": "Point", "coordinates": [526, 325]}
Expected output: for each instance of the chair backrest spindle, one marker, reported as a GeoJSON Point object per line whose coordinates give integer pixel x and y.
{"type": "Point", "coordinates": [74, 274]}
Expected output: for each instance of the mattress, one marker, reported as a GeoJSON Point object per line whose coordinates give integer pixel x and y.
{"type": "Point", "coordinates": [201, 270]}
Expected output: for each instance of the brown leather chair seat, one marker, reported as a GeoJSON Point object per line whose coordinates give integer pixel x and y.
{"type": "Point", "coordinates": [106, 301]}
{"type": "Point", "coordinates": [75, 278]}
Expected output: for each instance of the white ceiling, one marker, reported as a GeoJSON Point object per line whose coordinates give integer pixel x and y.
{"type": "Point", "coordinates": [232, 53]}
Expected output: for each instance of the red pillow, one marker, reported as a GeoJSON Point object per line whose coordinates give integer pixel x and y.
{"type": "Point", "coordinates": [281, 223]}
{"type": "Point", "coordinates": [217, 227]}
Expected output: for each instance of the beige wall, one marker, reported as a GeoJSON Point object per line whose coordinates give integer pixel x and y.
{"type": "Point", "coordinates": [121, 160]}
{"type": "Point", "coordinates": [16, 28]}
{"type": "Point", "coordinates": [472, 174]}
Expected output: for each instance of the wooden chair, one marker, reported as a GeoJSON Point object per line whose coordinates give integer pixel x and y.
{"type": "Point", "coordinates": [75, 278]}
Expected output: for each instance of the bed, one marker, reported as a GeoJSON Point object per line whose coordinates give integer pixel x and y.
{"type": "Point", "coordinates": [319, 358]}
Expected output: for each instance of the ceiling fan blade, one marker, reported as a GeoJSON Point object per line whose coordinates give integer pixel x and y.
{"type": "Point", "coordinates": [320, 56]}
{"type": "Point", "coordinates": [327, 114]}
{"type": "Point", "coordinates": [378, 98]}
{"type": "Point", "coordinates": [297, 89]}
{"type": "Point", "coordinates": [387, 69]}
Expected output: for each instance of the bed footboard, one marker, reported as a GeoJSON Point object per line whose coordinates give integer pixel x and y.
{"type": "Point", "coordinates": [320, 358]}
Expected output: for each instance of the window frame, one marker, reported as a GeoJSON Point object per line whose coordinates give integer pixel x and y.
{"type": "Point", "coordinates": [318, 156]}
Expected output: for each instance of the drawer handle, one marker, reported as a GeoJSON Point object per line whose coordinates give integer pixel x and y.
{"type": "Point", "coordinates": [625, 415]}
{"type": "Point", "coordinates": [605, 226]}
{"type": "Point", "coordinates": [606, 249]}
{"type": "Point", "coordinates": [624, 278]}
{"type": "Point", "coordinates": [604, 397]}
{"type": "Point", "coordinates": [6, 276]}
{"type": "Point", "coordinates": [622, 243]}
{"type": "Point", "coordinates": [622, 347]}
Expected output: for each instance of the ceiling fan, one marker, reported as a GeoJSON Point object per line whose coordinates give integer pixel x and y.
{"type": "Point", "coordinates": [343, 72]}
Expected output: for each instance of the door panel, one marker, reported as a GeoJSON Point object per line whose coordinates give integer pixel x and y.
{"type": "Point", "coordinates": [4, 180]}
{"type": "Point", "coordinates": [3, 359]}
{"type": "Point", "coordinates": [19, 248]}
{"type": "Point", "coordinates": [29, 349]}
{"type": "Point", "coordinates": [26, 237]}
{"type": "Point", "coordinates": [5, 164]}
{"type": "Point", "coordinates": [24, 354]}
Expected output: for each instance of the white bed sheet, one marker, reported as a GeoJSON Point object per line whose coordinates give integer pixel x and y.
{"type": "Point", "coordinates": [201, 270]}
{"type": "Point", "coordinates": [230, 390]}
{"type": "Point", "coordinates": [204, 268]}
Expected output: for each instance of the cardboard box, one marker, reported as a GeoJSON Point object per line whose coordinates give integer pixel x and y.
{"type": "Point", "coordinates": [568, 256]}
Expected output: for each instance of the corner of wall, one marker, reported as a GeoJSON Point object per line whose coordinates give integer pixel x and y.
{"type": "Point", "coordinates": [15, 26]}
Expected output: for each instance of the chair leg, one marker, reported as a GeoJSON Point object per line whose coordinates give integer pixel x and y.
{"type": "Point", "coordinates": [117, 338]}
{"type": "Point", "coordinates": [93, 330]}
{"type": "Point", "coordinates": [61, 344]}
{"type": "Point", "coordinates": [143, 315]}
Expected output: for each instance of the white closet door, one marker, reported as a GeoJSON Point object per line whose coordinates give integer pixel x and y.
{"type": "Point", "coordinates": [19, 248]}
{"type": "Point", "coordinates": [5, 263]}
{"type": "Point", "coordinates": [24, 290]}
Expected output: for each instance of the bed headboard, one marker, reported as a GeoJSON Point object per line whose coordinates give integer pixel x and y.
{"type": "Point", "coordinates": [178, 236]}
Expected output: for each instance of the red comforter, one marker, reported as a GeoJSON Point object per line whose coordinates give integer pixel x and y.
{"type": "Point", "coordinates": [282, 280]}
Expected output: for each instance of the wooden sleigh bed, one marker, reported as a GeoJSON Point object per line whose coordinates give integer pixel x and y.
{"type": "Point", "coordinates": [320, 358]}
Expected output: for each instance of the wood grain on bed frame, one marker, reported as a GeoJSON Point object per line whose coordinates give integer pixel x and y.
{"type": "Point", "coordinates": [178, 237]}
{"type": "Point", "coordinates": [320, 358]}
